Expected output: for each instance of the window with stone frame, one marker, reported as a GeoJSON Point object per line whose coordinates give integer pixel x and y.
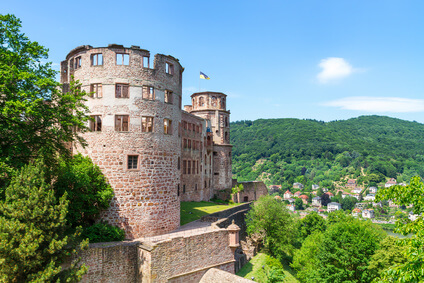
{"type": "Point", "coordinates": [223, 103]}
{"type": "Point", "coordinates": [146, 62]}
{"type": "Point", "coordinates": [201, 101]}
{"type": "Point", "coordinates": [168, 96]}
{"type": "Point", "coordinates": [178, 190]}
{"type": "Point", "coordinates": [122, 59]}
{"type": "Point", "coordinates": [169, 68]}
{"type": "Point", "coordinates": [148, 92]}
{"type": "Point", "coordinates": [167, 126]}
{"type": "Point", "coordinates": [122, 123]}
{"type": "Point", "coordinates": [77, 62]}
{"type": "Point", "coordinates": [96, 123]}
{"type": "Point", "coordinates": [96, 90]}
{"type": "Point", "coordinates": [189, 144]}
{"type": "Point", "coordinates": [184, 166]}
{"type": "Point", "coordinates": [188, 167]}
{"type": "Point", "coordinates": [97, 59]}
{"type": "Point", "coordinates": [132, 162]}
{"type": "Point", "coordinates": [184, 143]}
{"type": "Point", "coordinates": [122, 91]}
{"type": "Point", "coordinates": [213, 102]}
{"type": "Point", "coordinates": [146, 124]}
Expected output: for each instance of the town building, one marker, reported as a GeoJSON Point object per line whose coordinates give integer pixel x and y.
{"type": "Point", "coordinates": [315, 187]}
{"type": "Point", "coordinates": [304, 198]}
{"type": "Point", "coordinates": [390, 182]}
{"type": "Point", "coordinates": [297, 186]}
{"type": "Point", "coordinates": [356, 212]}
{"type": "Point", "coordinates": [153, 153]}
{"type": "Point", "coordinates": [287, 195]}
{"type": "Point", "coordinates": [333, 206]}
{"type": "Point", "coordinates": [351, 183]}
{"type": "Point", "coordinates": [316, 201]}
{"type": "Point", "coordinates": [368, 213]}
{"type": "Point", "coordinates": [369, 197]}
{"type": "Point", "coordinates": [373, 190]}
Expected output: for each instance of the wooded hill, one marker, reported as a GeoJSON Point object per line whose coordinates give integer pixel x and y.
{"type": "Point", "coordinates": [369, 148]}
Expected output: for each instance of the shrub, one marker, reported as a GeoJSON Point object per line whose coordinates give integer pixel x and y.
{"type": "Point", "coordinates": [103, 232]}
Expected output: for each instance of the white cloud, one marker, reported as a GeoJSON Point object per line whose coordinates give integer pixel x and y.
{"type": "Point", "coordinates": [379, 104]}
{"type": "Point", "coordinates": [333, 69]}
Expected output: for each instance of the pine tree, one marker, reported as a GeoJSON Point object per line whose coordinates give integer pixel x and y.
{"type": "Point", "coordinates": [33, 244]}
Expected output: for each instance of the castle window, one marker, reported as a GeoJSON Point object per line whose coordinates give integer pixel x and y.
{"type": "Point", "coordinates": [148, 92]}
{"type": "Point", "coordinates": [96, 90]}
{"type": "Point", "coordinates": [97, 59]}
{"type": "Point", "coordinates": [223, 103]}
{"type": "Point", "coordinates": [78, 62]}
{"type": "Point", "coordinates": [184, 166]}
{"type": "Point", "coordinates": [121, 123]}
{"type": "Point", "coordinates": [226, 121]}
{"type": "Point", "coordinates": [122, 59]}
{"type": "Point", "coordinates": [201, 101]}
{"type": "Point", "coordinates": [189, 144]}
{"type": "Point", "coordinates": [147, 124]}
{"type": "Point", "coordinates": [169, 68]}
{"type": "Point", "coordinates": [184, 143]}
{"type": "Point", "coordinates": [168, 96]}
{"type": "Point", "coordinates": [122, 91]}
{"type": "Point", "coordinates": [146, 63]}
{"type": "Point", "coordinates": [183, 189]}
{"type": "Point", "coordinates": [132, 162]}
{"type": "Point", "coordinates": [167, 126]}
{"type": "Point", "coordinates": [178, 190]}
{"type": "Point", "coordinates": [213, 101]}
{"type": "Point", "coordinates": [226, 137]}
{"type": "Point", "coordinates": [96, 123]}
{"type": "Point", "coordinates": [179, 102]}
{"type": "Point", "coordinates": [188, 167]}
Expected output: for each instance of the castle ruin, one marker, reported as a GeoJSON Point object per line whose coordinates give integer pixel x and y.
{"type": "Point", "coordinates": [153, 153]}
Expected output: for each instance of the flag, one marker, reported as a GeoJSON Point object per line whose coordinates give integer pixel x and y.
{"type": "Point", "coordinates": [203, 76]}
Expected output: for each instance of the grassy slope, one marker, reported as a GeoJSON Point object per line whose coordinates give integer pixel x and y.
{"type": "Point", "coordinates": [254, 269]}
{"type": "Point", "coordinates": [199, 209]}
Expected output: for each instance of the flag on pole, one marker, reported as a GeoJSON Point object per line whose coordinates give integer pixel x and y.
{"type": "Point", "coordinates": [204, 76]}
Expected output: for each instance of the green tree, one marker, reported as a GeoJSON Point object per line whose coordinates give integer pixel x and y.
{"type": "Point", "coordinates": [32, 226]}
{"type": "Point", "coordinates": [36, 117]}
{"type": "Point", "coordinates": [412, 269]}
{"type": "Point", "coordinates": [298, 204]}
{"type": "Point", "coordinates": [346, 250]}
{"type": "Point", "coordinates": [271, 219]}
{"type": "Point", "coordinates": [348, 203]}
{"type": "Point", "coordinates": [310, 224]}
{"type": "Point", "coordinates": [305, 260]}
{"type": "Point", "coordinates": [87, 188]}
{"type": "Point", "coordinates": [391, 253]}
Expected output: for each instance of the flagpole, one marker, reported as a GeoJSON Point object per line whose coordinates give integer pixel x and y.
{"type": "Point", "coordinates": [199, 81]}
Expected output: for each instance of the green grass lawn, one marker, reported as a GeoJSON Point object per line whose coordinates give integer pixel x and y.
{"type": "Point", "coordinates": [254, 269]}
{"type": "Point", "coordinates": [199, 209]}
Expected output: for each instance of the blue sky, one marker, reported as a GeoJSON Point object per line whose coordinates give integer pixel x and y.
{"type": "Point", "coordinates": [324, 60]}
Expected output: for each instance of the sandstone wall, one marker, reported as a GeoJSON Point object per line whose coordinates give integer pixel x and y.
{"type": "Point", "coordinates": [252, 191]}
{"type": "Point", "coordinates": [146, 198]}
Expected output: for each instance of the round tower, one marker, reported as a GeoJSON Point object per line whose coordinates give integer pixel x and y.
{"type": "Point", "coordinates": [212, 106]}
{"type": "Point", "coordinates": [136, 109]}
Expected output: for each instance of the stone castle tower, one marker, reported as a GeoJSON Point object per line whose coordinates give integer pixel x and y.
{"type": "Point", "coordinates": [153, 153]}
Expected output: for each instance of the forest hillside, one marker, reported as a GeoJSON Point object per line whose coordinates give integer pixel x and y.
{"type": "Point", "coordinates": [370, 149]}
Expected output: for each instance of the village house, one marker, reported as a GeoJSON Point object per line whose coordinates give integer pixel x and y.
{"type": "Point", "coordinates": [297, 186]}
{"type": "Point", "coordinates": [324, 190]}
{"type": "Point", "coordinates": [390, 182]}
{"type": "Point", "coordinates": [315, 187]}
{"type": "Point", "coordinates": [291, 207]}
{"type": "Point", "coordinates": [297, 194]}
{"type": "Point", "coordinates": [332, 206]}
{"type": "Point", "coordinates": [356, 212]}
{"type": "Point", "coordinates": [357, 190]}
{"type": "Point", "coordinates": [330, 194]}
{"type": "Point", "coordinates": [278, 198]}
{"type": "Point", "coordinates": [351, 183]}
{"type": "Point", "coordinates": [373, 190]}
{"type": "Point", "coordinates": [287, 195]}
{"type": "Point", "coordinates": [304, 198]}
{"type": "Point", "coordinates": [368, 213]}
{"type": "Point", "coordinates": [412, 216]}
{"type": "Point", "coordinates": [290, 200]}
{"type": "Point", "coordinates": [314, 193]}
{"type": "Point", "coordinates": [357, 196]}
{"type": "Point", "coordinates": [316, 201]}
{"type": "Point", "coordinates": [274, 189]}
{"type": "Point", "coordinates": [369, 197]}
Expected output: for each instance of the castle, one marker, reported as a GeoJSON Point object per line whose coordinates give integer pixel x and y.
{"type": "Point", "coordinates": [153, 153]}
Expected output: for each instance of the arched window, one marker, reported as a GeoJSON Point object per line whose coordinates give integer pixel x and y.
{"type": "Point", "coordinates": [223, 103]}
{"type": "Point", "coordinates": [213, 103]}
{"type": "Point", "coordinates": [201, 101]}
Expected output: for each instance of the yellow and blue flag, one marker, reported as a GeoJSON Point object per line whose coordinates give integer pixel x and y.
{"type": "Point", "coordinates": [203, 76]}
